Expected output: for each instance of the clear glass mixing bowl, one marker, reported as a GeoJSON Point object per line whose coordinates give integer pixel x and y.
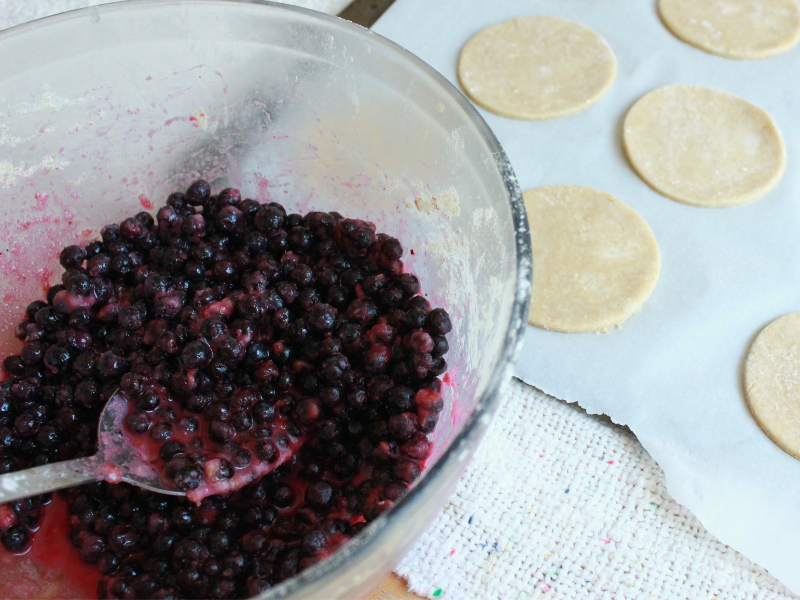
{"type": "Point", "coordinates": [108, 109]}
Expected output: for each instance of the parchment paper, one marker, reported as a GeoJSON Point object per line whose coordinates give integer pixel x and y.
{"type": "Point", "coordinates": [673, 372]}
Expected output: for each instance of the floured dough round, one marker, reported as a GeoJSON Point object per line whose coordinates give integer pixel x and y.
{"type": "Point", "coordinates": [742, 29]}
{"type": "Point", "coordinates": [535, 68]}
{"type": "Point", "coordinates": [595, 260]}
{"type": "Point", "coordinates": [704, 147]}
{"type": "Point", "coordinates": [772, 382]}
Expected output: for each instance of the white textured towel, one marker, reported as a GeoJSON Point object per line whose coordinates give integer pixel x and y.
{"type": "Point", "coordinates": [557, 504]}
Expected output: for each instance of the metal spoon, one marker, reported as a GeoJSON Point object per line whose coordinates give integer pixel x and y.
{"type": "Point", "coordinates": [116, 460]}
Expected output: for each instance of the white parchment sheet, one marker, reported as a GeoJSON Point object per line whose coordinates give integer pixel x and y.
{"type": "Point", "coordinates": [673, 372]}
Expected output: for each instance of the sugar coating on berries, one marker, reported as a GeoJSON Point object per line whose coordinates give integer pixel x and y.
{"type": "Point", "coordinates": [280, 368]}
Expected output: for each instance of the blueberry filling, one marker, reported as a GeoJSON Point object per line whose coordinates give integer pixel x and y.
{"type": "Point", "coordinates": [281, 366]}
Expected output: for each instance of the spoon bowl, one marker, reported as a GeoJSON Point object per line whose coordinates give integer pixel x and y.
{"type": "Point", "coordinates": [116, 461]}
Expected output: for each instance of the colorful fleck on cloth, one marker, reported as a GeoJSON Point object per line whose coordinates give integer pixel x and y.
{"type": "Point", "coordinates": [557, 504]}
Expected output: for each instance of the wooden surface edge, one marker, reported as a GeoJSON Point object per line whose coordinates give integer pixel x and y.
{"type": "Point", "coordinates": [393, 588]}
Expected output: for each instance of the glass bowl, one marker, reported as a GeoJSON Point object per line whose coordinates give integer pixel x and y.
{"type": "Point", "coordinates": [108, 109]}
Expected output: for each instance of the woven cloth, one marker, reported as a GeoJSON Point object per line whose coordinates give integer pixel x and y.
{"type": "Point", "coordinates": [558, 504]}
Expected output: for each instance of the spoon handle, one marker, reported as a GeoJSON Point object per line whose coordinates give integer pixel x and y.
{"type": "Point", "coordinates": [47, 478]}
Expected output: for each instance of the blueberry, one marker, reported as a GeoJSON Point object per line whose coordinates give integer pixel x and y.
{"type": "Point", "coordinates": [391, 249]}
{"type": "Point", "coordinates": [132, 317]}
{"type": "Point", "coordinates": [171, 449]}
{"type": "Point", "coordinates": [230, 351]}
{"type": "Point", "coordinates": [15, 539]}
{"type": "Point", "coordinates": [148, 401]}
{"type": "Point", "coordinates": [72, 257]}
{"type": "Point", "coordinates": [267, 451]}
{"type": "Point", "coordinates": [111, 366]}
{"type": "Point", "coordinates": [87, 393]}
{"type": "Point", "coordinates": [282, 496]}
{"type": "Point", "coordinates": [48, 437]}
{"type": "Point", "coordinates": [416, 317]}
{"type": "Point", "coordinates": [241, 459]}
{"type": "Point", "coordinates": [223, 470]}
{"type": "Point", "coordinates": [440, 346]}
{"type": "Point", "coordinates": [263, 412]}
{"type": "Point", "coordinates": [401, 396]}
{"type": "Point", "coordinates": [46, 318]}
{"type": "Point", "coordinates": [198, 193]}
{"type": "Point", "coordinates": [409, 284]}
{"type": "Point", "coordinates": [57, 358]}
{"type": "Point", "coordinates": [403, 425]}
{"type": "Point", "coordinates": [242, 420]}
{"type": "Point", "coordinates": [176, 200]}
{"type": "Point", "coordinates": [123, 539]}
{"type": "Point", "coordinates": [196, 354]}
{"type": "Point", "coordinates": [319, 495]}
{"type": "Point", "coordinates": [439, 321]}
{"type": "Point", "coordinates": [439, 367]}
{"type": "Point", "coordinates": [269, 218]}
{"type": "Point", "coordinates": [334, 367]}
{"type": "Point", "coordinates": [33, 308]}
{"type": "Point", "coordinates": [230, 219]}
{"type": "Point", "coordinates": [221, 431]}
{"type": "Point", "coordinates": [251, 306]}
{"type": "Point", "coordinates": [188, 425]}
{"type": "Point", "coordinates": [108, 562]}
{"type": "Point", "coordinates": [322, 317]}
{"type": "Point", "coordinates": [373, 285]}
{"type": "Point", "coordinates": [189, 478]}
{"type": "Point", "coordinates": [169, 219]}
{"type": "Point", "coordinates": [161, 432]}
{"type": "Point", "coordinates": [92, 547]}
{"type": "Point", "coordinates": [32, 353]}
{"type": "Point", "coordinates": [51, 293]}
{"type": "Point", "coordinates": [132, 229]}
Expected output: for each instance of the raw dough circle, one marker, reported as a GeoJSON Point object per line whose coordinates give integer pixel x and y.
{"type": "Point", "coordinates": [772, 381]}
{"type": "Point", "coordinates": [536, 68]}
{"type": "Point", "coordinates": [742, 29]}
{"type": "Point", "coordinates": [595, 259]}
{"type": "Point", "coordinates": [703, 147]}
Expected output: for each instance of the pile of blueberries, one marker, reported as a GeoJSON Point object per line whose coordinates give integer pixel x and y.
{"type": "Point", "coordinates": [239, 313]}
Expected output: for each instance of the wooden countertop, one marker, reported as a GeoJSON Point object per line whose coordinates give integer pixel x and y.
{"type": "Point", "coordinates": [393, 588]}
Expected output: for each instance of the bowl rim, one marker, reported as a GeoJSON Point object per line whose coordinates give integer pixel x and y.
{"type": "Point", "coordinates": [466, 441]}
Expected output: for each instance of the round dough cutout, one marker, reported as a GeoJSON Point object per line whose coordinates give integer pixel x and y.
{"type": "Point", "coordinates": [703, 147]}
{"type": "Point", "coordinates": [743, 29]}
{"type": "Point", "coordinates": [772, 382]}
{"type": "Point", "coordinates": [536, 67]}
{"type": "Point", "coordinates": [595, 259]}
